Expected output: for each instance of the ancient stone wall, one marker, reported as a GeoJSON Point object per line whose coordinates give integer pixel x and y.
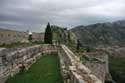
{"type": "Point", "coordinates": [37, 37]}
{"type": "Point", "coordinates": [11, 36]}
{"type": "Point", "coordinates": [11, 60]}
{"type": "Point", "coordinates": [73, 71]}
{"type": "Point", "coordinates": [98, 63]}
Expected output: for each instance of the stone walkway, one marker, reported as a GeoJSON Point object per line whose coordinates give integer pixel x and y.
{"type": "Point", "coordinates": [81, 72]}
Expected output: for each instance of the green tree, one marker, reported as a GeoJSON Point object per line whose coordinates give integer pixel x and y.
{"type": "Point", "coordinates": [48, 35]}
{"type": "Point", "coordinates": [30, 37]}
{"type": "Point", "coordinates": [88, 49]}
{"type": "Point", "coordinates": [78, 45]}
{"type": "Point", "coordinates": [69, 37]}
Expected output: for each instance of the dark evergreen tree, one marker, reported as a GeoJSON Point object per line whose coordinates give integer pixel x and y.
{"type": "Point", "coordinates": [48, 35]}
{"type": "Point", "coordinates": [88, 49]}
{"type": "Point", "coordinates": [78, 45]}
{"type": "Point", "coordinates": [69, 36]}
{"type": "Point", "coordinates": [30, 37]}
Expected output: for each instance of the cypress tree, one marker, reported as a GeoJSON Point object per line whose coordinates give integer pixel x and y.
{"type": "Point", "coordinates": [48, 35]}
{"type": "Point", "coordinates": [30, 37]}
{"type": "Point", "coordinates": [69, 36]}
{"type": "Point", "coordinates": [78, 45]}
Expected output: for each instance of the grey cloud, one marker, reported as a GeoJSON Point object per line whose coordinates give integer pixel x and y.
{"type": "Point", "coordinates": [34, 14]}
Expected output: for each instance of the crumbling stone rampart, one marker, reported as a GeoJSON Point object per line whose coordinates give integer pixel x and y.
{"type": "Point", "coordinates": [11, 60]}
{"type": "Point", "coordinates": [12, 36]}
{"type": "Point", "coordinates": [73, 71]}
{"type": "Point", "coordinates": [77, 72]}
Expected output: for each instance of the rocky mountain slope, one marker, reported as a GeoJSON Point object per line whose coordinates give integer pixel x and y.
{"type": "Point", "coordinates": [102, 34]}
{"type": "Point", "coordinates": [109, 37]}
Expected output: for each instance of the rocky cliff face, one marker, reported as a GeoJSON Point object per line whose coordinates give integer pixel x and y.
{"type": "Point", "coordinates": [62, 35]}
{"type": "Point", "coordinates": [102, 34]}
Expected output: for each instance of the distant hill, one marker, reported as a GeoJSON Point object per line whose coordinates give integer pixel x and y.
{"type": "Point", "coordinates": [102, 34]}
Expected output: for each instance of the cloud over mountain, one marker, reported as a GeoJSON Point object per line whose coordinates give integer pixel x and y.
{"type": "Point", "coordinates": [34, 14]}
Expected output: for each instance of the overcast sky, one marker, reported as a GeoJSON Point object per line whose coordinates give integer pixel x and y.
{"type": "Point", "coordinates": [34, 14]}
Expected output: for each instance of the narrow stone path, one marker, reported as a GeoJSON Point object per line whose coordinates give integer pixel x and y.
{"type": "Point", "coordinates": [81, 72]}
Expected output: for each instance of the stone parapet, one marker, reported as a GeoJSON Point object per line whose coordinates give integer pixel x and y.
{"type": "Point", "coordinates": [12, 60]}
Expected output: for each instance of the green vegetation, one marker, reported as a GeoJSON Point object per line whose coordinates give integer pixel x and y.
{"type": "Point", "coordinates": [45, 70]}
{"type": "Point", "coordinates": [19, 45]}
{"type": "Point", "coordinates": [30, 37]}
{"type": "Point", "coordinates": [15, 45]}
{"type": "Point", "coordinates": [79, 48]}
{"type": "Point", "coordinates": [48, 35]}
{"type": "Point", "coordinates": [60, 34]}
{"type": "Point", "coordinates": [78, 45]}
{"type": "Point", "coordinates": [117, 68]}
{"type": "Point", "coordinates": [84, 58]}
{"type": "Point", "coordinates": [56, 36]}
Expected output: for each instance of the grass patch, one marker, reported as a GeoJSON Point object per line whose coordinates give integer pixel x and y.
{"type": "Point", "coordinates": [45, 70]}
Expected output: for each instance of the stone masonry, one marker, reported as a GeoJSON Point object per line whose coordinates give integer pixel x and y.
{"type": "Point", "coordinates": [11, 36]}
{"type": "Point", "coordinates": [72, 70]}
{"type": "Point", "coordinates": [11, 60]}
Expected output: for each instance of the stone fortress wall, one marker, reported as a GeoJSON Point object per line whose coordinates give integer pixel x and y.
{"type": "Point", "coordinates": [98, 63]}
{"type": "Point", "coordinates": [73, 70]}
{"type": "Point", "coordinates": [77, 72]}
{"type": "Point", "coordinates": [11, 60]}
{"type": "Point", "coordinates": [11, 36]}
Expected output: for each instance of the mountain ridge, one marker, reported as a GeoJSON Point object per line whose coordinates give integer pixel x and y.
{"type": "Point", "coordinates": [101, 34]}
